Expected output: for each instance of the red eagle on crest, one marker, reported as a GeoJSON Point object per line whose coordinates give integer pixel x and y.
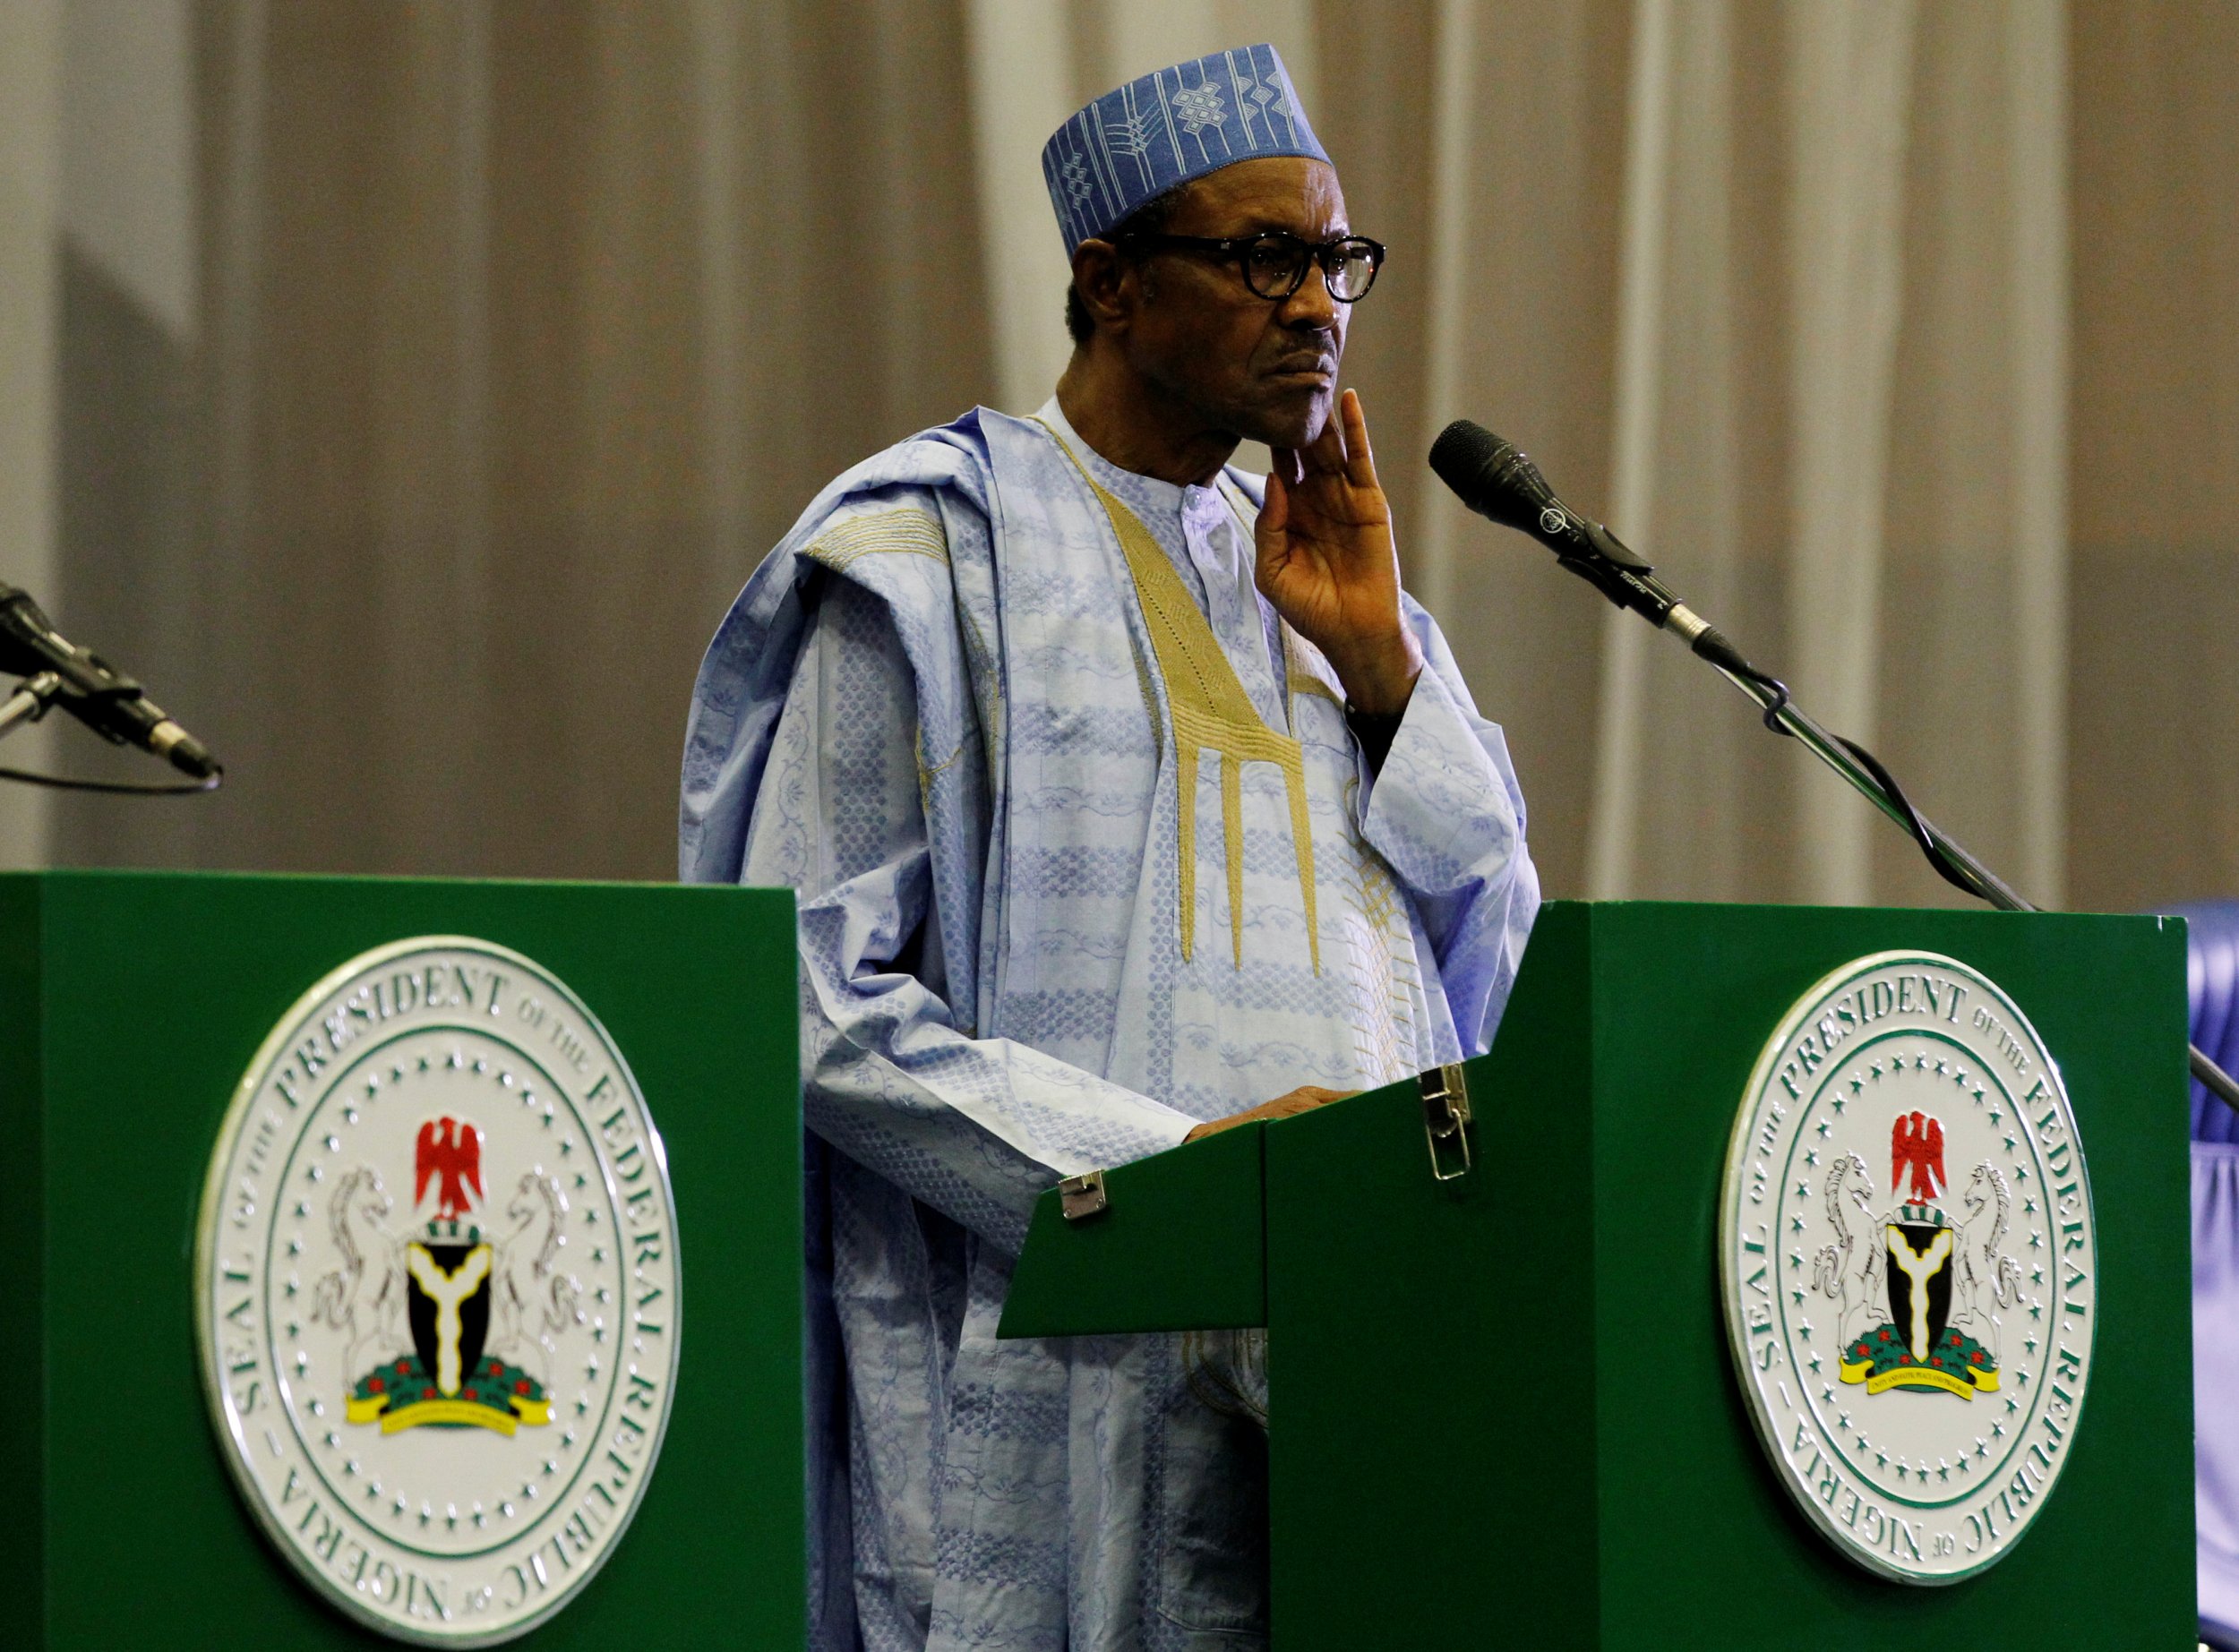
{"type": "Point", "coordinates": [1916, 1144]}
{"type": "Point", "coordinates": [451, 1149]}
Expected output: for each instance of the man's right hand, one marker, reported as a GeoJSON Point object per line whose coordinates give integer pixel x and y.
{"type": "Point", "coordinates": [1303, 1099]}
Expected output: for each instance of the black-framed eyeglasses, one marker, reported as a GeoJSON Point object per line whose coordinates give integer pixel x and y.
{"type": "Point", "coordinates": [1275, 262]}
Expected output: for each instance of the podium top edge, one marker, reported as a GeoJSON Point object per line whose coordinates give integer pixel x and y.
{"type": "Point", "coordinates": [1791, 908]}
{"type": "Point", "coordinates": [92, 874]}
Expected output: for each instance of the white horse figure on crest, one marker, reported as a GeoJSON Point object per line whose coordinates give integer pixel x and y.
{"type": "Point", "coordinates": [364, 1298]}
{"type": "Point", "coordinates": [1982, 1273]}
{"type": "Point", "coordinates": [533, 1298]}
{"type": "Point", "coordinates": [1851, 1268]}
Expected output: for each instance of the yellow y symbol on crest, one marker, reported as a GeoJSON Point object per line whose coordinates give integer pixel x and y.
{"type": "Point", "coordinates": [447, 1292]}
{"type": "Point", "coordinates": [1919, 1267]}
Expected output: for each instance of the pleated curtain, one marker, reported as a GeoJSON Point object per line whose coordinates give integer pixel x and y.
{"type": "Point", "coordinates": [1902, 334]}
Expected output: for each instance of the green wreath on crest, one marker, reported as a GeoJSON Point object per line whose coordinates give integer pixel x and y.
{"type": "Point", "coordinates": [1956, 1364]}
{"type": "Point", "coordinates": [401, 1393]}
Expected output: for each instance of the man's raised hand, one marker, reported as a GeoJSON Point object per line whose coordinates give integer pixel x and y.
{"type": "Point", "coordinates": [1327, 561]}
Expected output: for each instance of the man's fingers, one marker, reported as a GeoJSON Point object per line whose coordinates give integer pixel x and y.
{"type": "Point", "coordinates": [1342, 448]}
{"type": "Point", "coordinates": [1306, 1097]}
{"type": "Point", "coordinates": [1324, 455]}
{"type": "Point", "coordinates": [1328, 449]}
{"type": "Point", "coordinates": [1271, 539]}
{"type": "Point", "coordinates": [1359, 460]}
{"type": "Point", "coordinates": [1274, 510]}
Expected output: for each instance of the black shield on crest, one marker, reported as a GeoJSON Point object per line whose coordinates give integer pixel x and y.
{"type": "Point", "coordinates": [1920, 1240]}
{"type": "Point", "coordinates": [474, 1317]}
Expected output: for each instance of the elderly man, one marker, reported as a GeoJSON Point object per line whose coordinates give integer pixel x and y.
{"type": "Point", "coordinates": [1127, 797]}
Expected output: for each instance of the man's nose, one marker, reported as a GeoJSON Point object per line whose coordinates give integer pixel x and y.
{"type": "Point", "coordinates": [1310, 309]}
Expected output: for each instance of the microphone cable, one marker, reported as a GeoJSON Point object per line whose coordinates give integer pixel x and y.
{"type": "Point", "coordinates": [119, 788]}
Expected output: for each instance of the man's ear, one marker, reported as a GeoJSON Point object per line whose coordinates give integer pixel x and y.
{"type": "Point", "coordinates": [1107, 284]}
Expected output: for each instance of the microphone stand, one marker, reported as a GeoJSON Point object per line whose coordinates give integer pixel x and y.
{"type": "Point", "coordinates": [1493, 478]}
{"type": "Point", "coordinates": [1871, 782]}
{"type": "Point", "coordinates": [33, 698]}
{"type": "Point", "coordinates": [29, 702]}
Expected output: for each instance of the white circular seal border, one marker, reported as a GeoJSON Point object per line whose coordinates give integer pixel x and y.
{"type": "Point", "coordinates": [1970, 1517]}
{"type": "Point", "coordinates": [247, 1389]}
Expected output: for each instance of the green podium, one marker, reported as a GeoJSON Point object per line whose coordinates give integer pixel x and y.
{"type": "Point", "coordinates": [1505, 1408]}
{"type": "Point", "coordinates": [133, 1007]}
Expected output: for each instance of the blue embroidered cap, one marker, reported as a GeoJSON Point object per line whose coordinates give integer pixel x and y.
{"type": "Point", "coordinates": [1132, 145]}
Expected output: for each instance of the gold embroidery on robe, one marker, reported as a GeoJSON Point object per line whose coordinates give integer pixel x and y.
{"type": "Point", "coordinates": [904, 530]}
{"type": "Point", "coordinates": [1211, 712]}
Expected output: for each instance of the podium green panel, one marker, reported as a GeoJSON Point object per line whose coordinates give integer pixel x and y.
{"type": "Point", "coordinates": [1504, 1409]}
{"type": "Point", "coordinates": [130, 1006]}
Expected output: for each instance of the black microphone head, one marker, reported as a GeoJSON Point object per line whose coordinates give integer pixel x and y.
{"type": "Point", "coordinates": [1494, 479]}
{"type": "Point", "coordinates": [1499, 480]}
{"type": "Point", "coordinates": [1464, 458]}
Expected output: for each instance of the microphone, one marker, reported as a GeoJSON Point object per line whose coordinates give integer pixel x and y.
{"type": "Point", "coordinates": [96, 693]}
{"type": "Point", "coordinates": [1494, 479]}
{"type": "Point", "coordinates": [1499, 482]}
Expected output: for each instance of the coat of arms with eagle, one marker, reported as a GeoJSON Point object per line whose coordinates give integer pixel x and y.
{"type": "Point", "coordinates": [456, 1320]}
{"type": "Point", "coordinates": [1909, 1265]}
{"type": "Point", "coordinates": [438, 1290]}
{"type": "Point", "coordinates": [1918, 1294]}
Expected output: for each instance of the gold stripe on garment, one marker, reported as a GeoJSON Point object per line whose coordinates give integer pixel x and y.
{"type": "Point", "coordinates": [1210, 713]}
{"type": "Point", "coordinates": [1305, 673]}
{"type": "Point", "coordinates": [903, 531]}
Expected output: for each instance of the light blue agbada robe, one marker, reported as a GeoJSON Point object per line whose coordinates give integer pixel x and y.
{"type": "Point", "coordinates": [936, 711]}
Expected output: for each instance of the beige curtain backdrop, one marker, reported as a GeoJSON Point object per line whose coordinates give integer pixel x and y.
{"type": "Point", "coordinates": [31, 170]}
{"type": "Point", "coordinates": [411, 442]}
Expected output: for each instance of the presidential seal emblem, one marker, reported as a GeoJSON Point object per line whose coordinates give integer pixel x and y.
{"type": "Point", "coordinates": [1909, 1265]}
{"type": "Point", "coordinates": [437, 1292]}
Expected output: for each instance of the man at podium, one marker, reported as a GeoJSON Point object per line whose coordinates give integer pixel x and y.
{"type": "Point", "coordinates": [1127, 795]}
